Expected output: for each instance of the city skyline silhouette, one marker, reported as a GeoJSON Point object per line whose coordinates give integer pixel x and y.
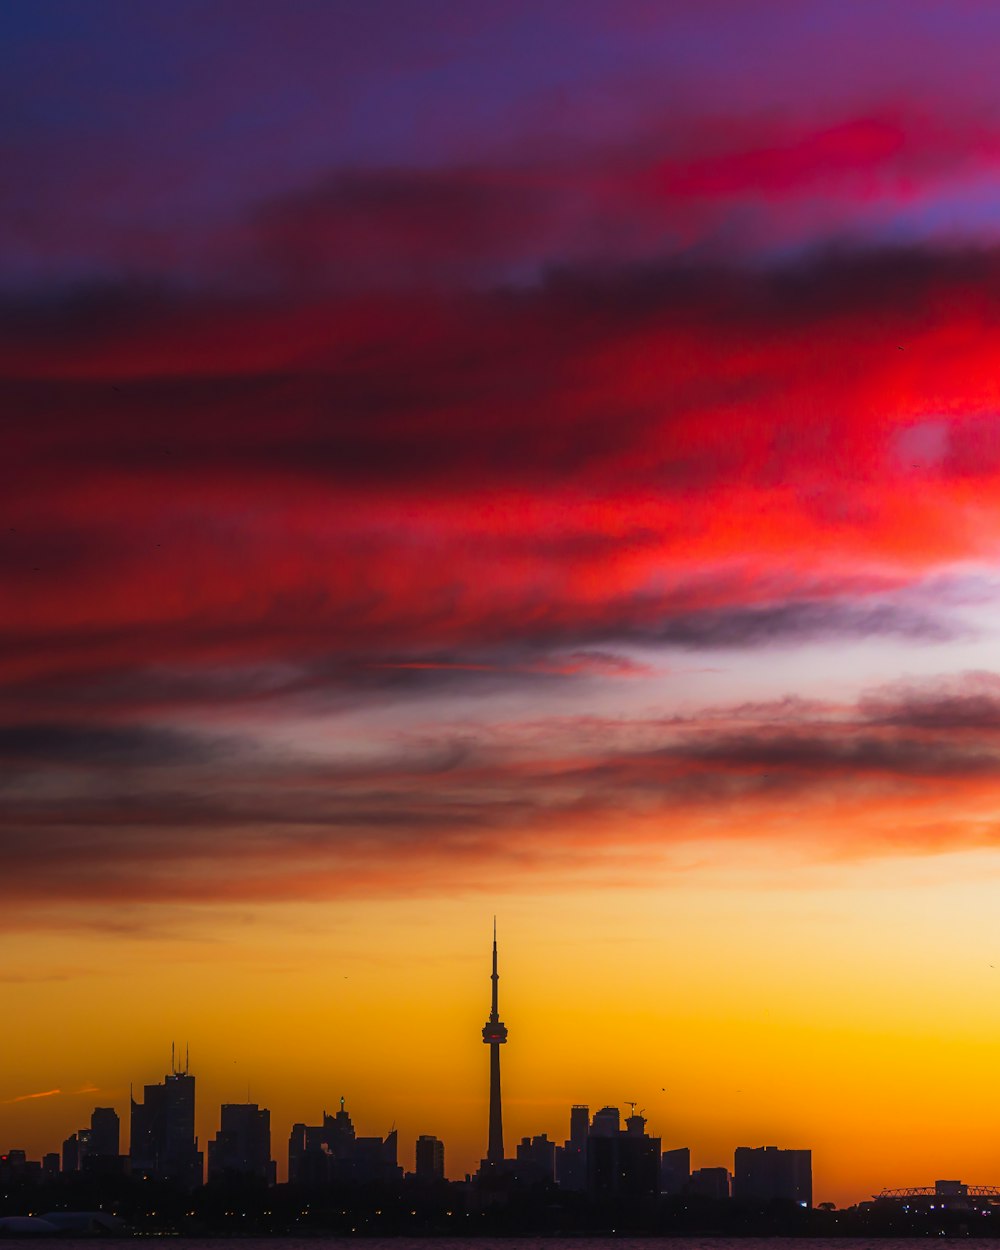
{"type": "Point", "coordinates": [599, 1157]}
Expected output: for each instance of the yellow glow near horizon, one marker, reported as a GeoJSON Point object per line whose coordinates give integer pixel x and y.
{"type": "Point", "coordinates": [845, 1011]}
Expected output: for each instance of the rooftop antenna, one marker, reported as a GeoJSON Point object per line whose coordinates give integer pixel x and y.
{"type": "Point", "coordinates": [187, 1058]}
{"type": "Point", "coordinates": [173, 1058]}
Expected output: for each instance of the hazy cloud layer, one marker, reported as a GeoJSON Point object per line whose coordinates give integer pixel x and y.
{"type": "Point", "coordinates": [884, 776]}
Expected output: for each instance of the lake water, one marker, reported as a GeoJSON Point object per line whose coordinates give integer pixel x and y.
{"type": "Point", "coordinates": [509, 1243]}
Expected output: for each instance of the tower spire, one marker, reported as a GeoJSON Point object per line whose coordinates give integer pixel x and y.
{"type": "Point", "coordinates": [495, 1036]}
{"type": "Point", "coordinates": [494, 1012]}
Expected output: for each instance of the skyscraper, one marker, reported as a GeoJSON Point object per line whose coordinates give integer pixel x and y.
{"type": "Point", "coordinates": [430, 1158]}
{"type": "Point", "coordinates": [105, 1132]}
{"type": "Point", "coordinates": [624, 1164]}
{"type": "Point", "coordinates": [536, 1159]}
{"type": "Point", "coordinates": [711, 1183]}
{"type": "Point", "coordinates": [495, 1036]}
{"type": "Point", "coordinates": [94, 1149]}
{"type": "Point", "coordinates": [675, 1170]}
{"type": "Point", "coordinates": [571, 1157]}
{"type": "Point", "coordinates": [242, 1146]}
{"type": "Point", "coordinates": [71, 1153]}
{"type": "Point", "coordinates": [162, 1141]}
{"type": "Point", "coordinates": [606, 1123]}
{"type": "Point", "coordinates": [767, 1174]}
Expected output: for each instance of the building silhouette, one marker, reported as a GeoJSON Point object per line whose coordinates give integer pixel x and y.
{"type": "Point", "coordinates": [571, 1157]}
{"type": "Point", "coordinates": [162, 1143]}
{"type": "Point", "coordinates": [71, 1153]}
{"type": "Point", "coordinates": [606, 1122]}
{"type": "Point", "coordinates": [767, 1174]}
{"type": "Point", "coordinates": [332, 1153]}
{"type": "Point", "coordinates": [94, 1149]}
{"type": "Point", "coordinates": [495, 1036]}
{"type": "Point", "coordinates": [17, 1168]}
{"type": "Point", "coordinates": [622, 1163]}
{"type": "Point", "coordinates": [675, 1170]}
{"type": "Point", "coordinates": [536, 1159]}
{"type": "Point", "coordinates": [579, 1124]}
{"type": "Point", "coordinates": [429, 1158]}
{"type": "Point", "coordinates": [709, 1183]}
{"type": "Point", "coordinates": [242, 1146]}
{"type": "Point", "coordinates": [105, 1133]}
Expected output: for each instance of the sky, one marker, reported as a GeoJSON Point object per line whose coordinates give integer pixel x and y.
{"type": "Point", "coordinates": [537, 460]}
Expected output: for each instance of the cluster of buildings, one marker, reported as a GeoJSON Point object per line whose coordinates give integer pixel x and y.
{"type": "Point", "coordinates": [604, 1160]}
{"type": "Point", "coordinates": [331, 1153]}
{"type": "Point", "coordinates": [599, 1158]}
{"type": "Point", "coordinates": [162, 1145]}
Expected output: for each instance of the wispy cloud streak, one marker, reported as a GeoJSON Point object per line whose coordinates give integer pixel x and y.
{"type": "Point", "coordinates": [47, 1093]}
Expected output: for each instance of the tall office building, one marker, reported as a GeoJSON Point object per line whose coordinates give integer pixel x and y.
{"type": "Point", "coordinates": [495, 1036]}
{"type": "Point", "coordinates": [71, 1153]}
{"type": "Point", "coordinates": [606, 1122]}
{"type": "Point", "coordinates": [430, 1158]}
{"type": "Point", "coordinates": [162, 1141]}
{"type": "Point", "coordinates": [709, 1183]}
{"type": "Point", "coordinates": [105, 1133]}
{"type": "Point", "coordinates": [536, 1159]}
{"type": "Point", "coordinates": [675, 1170]}
{"type": "Point", "coordinates": [767, 1174]}
{"type": "Point", "coordinates": [571, 1156]}
{"type": "Point", "coordinates": [242, 1146]}
{"type": "Point", "coordinates": [622, 1164]}
{"type": "Point", "coordinates": [98, 1146]}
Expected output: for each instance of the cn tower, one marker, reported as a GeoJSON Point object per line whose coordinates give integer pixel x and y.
{"type": "Point", "coordinates": [495, 1035]}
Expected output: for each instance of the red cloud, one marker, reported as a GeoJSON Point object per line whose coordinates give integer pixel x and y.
{"type": "Point", "coordinates": [803, 161]}
{"type": "Point", "coordinates": [614, 450]}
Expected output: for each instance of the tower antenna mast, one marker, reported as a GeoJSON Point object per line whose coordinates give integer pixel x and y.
{"type": "Point", "coordinates": [495, 1036]}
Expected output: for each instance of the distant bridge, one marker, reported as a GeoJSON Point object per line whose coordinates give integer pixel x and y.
{"type": "Point", "coordinates": [934, 1191]}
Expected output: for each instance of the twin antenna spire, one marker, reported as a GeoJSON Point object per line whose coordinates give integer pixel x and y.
{"type": "Point", "coordinates": [173, 1060]}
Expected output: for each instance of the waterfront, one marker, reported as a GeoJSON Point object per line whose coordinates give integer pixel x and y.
{"type": "Point", "coordinates": [521, 1243]}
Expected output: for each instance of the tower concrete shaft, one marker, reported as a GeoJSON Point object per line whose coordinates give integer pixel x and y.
{"type": "Point", "coordinates": [495, 1036]}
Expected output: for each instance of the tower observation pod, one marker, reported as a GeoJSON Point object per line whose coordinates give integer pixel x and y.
{"type": "Point", "coordinates": [495, 1036]}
